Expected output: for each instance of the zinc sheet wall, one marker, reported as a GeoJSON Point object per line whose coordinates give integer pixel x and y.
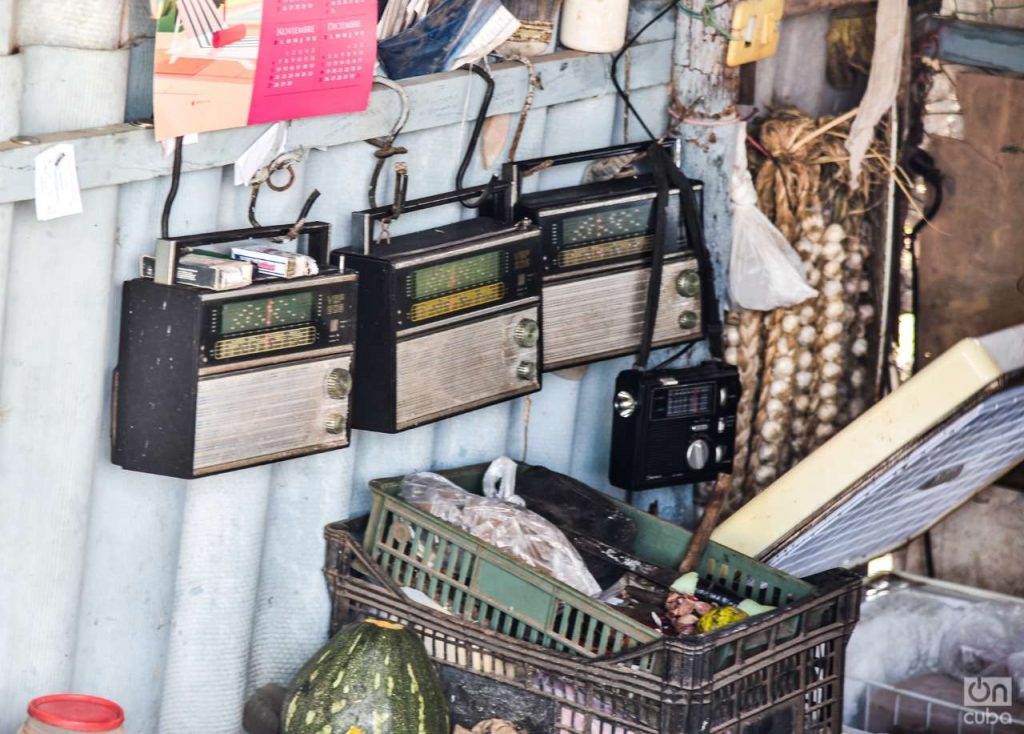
{"type": "Point", "coordinates": [178, 598]}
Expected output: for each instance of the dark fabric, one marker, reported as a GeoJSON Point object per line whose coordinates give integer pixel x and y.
{"type": "Point", "coordinates": [566, 502]}
{"type": "Point", "coordinates": [432, 44]}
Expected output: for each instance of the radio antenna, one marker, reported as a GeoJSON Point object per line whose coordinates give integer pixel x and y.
{"type": "Point", "coordinates": [172, 193]}
{"type": "Point", "coordinates": [474, 139]}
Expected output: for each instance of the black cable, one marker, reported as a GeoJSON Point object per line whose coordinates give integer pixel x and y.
{"type": "Point", "coordinates": [682, 352]}
{"type": "Point", "coordinates": [165, 217]}
{"type": "Point", "coordinates": [474, 139]}
{"type": "Point", "coordinates": [618, 57]}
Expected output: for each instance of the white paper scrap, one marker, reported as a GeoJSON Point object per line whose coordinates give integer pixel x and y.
{"type": "Point", "coordinates": [56, 181]}
{"type": "Point", "coordinates": [267, 147]}
{"type": "Point", "coordinates": [168, 145]}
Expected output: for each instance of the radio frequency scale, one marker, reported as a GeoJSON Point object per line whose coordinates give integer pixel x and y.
{"type": "Point", "coordinates": [597, 244]}
{"type": "Point", "coordinates": [210, 381]}
{"type": "Point", "coordinates": [451, 316]}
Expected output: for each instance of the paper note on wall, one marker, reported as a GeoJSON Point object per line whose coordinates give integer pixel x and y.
{"type": "Point", "coordinates": [229, 63]}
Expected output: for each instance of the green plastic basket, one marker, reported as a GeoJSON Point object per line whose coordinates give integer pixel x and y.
{"type": "Point", "coordinates": [476, 582]}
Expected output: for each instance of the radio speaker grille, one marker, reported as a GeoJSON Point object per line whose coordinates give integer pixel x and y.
{"type": "Point", "coordinates": [666, 449]}
{"type": "Point", "coordinates": [588, 318]}
{"type": "Point", "coordinates": [257, 415]}
{"type": "Point", "coordinates": [462, 367]}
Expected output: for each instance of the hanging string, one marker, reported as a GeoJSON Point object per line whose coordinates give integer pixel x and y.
{"type": "Point", "coordinates": [527, 407]}
{"type": "Point", "coordinates": [284, 162]}
{"type": "Point", "coordinates": [386, 147]}
{"type": "Point", "coordinates": [534, 85]}
{"type": "Point", "coordinates": [172, 193]}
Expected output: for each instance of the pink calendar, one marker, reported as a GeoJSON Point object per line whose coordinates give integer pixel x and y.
{"type": "Point", "coordinates": [229, 63]}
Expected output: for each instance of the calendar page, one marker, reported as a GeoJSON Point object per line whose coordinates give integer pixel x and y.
{"type": "Point", "coordinates": [230, 63]}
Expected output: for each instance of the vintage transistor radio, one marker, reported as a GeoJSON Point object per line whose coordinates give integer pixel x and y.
{"type": "Point", "coordinates": [597, 243]}
{"type": "Point", "coordinates": [450, 316]}
{"type": "Point", "coordinates": [673, 426]}
{"type": "Point", "coordinates": [209, 381]}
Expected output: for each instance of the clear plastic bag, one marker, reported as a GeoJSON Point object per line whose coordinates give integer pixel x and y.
{"type": "Point", "coordinates": [765, 272]}
{"type": "Point", "coordinates": [503, 523]}
{"type": "Point", "coordinates": [983, 639]}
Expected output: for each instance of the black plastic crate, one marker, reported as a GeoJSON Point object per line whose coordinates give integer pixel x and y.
{"type": "Point", "coordinates": [779, 673]}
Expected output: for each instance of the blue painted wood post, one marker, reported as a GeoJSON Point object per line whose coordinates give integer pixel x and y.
{"type": "Point", "coordinates": [707, 88]}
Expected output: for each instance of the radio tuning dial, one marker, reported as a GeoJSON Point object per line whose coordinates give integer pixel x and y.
{"type": "Point", "coordinates": [339, 383]}
{"type": "Point", "coordinates": [688, 284]}
{"type": "Point", "coordinates": [526, 371]}
{"type": "Point", "coordinates": [526, 333]}
{"type": "Point", "coordinates": [625, 404]}
{"type": "Point", "coordinates": [697, 454]}
{"type": "Point", "coordinates": [688, 320]}
{"type": "Point", "coordinates": [335, 424]}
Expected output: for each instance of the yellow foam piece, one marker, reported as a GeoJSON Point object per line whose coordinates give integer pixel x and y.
{"type": "Point", "coordinates": [901, 417]}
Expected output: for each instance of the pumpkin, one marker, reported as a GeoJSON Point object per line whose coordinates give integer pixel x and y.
{"type": "Point", "coordinates": [373, 677]}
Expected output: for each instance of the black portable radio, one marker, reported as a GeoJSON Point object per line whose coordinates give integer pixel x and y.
{"type": "Point", "coordinates": [210, 381]}
{"type": "Point", "coordinates": [674, 426]}
{"type": "Point", "coordinates": [450, 316]}
{"type": "Point", "coordinates": [597, 240]}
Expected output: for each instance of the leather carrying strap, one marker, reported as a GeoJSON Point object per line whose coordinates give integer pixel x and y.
{"type": "Point", "coordinates": [666, 176]}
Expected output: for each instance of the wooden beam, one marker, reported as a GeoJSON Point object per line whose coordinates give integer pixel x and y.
{"type": "Point", "coordinates": [117, 154]}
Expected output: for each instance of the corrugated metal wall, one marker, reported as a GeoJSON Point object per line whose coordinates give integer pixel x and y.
{"type": "Point", "coordinates": [177, 598]}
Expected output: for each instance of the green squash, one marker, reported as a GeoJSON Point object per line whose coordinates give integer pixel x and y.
{"type": "Point", "coordinates": [373, 677]}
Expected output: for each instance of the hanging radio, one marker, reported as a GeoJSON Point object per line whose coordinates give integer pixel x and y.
{"type": "Point", "coordinates": [209, 381]}
{"type": "Point", "coordinates": [450, 316]}
{"type": "Point", "coordinates": [674, 426]}
{"type": "Point", "coordinates": [597, 244]}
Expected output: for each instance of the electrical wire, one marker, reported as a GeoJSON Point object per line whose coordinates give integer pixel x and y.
{"type": "Point", "coordinates": [681, 353]}
{"type": "Point", "coordinates": [623, 94]}
{"type": "Point", "coordinates": [172, 193]}
{"type": "Point", "coordinates": [706, 15]}
{"type": "Point", "coordinates": [474, 139]}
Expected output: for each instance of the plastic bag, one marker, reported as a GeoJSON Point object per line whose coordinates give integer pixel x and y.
{"type": "Point", "coordinates": [765, 272]}
{"type": "Point", "coordinates": [984, 637]}
{"type": "Point", "coordinates": [504, 524]}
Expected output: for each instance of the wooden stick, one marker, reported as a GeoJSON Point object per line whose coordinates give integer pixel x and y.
{"type": "Point", "coordinates": [723, 485]}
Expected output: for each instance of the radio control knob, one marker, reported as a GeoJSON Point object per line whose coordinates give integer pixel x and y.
{"type": "Point", "coordinates": [697, 454]}
{"type": "Point", "coordinates": [526, 371]}
{"type": "Point", "coordinates": [339, 383]}
{"type": "Point", "coordinates": [625, 404]}
{"type": "Point", "coordinates": [688, 284]}
{"type": "Point", "coordinates": [335, 424]}
{"type": "Point", "coordinates": [723, 395]}
{"type": "Point", "coordinates": [688, 320]}
{"type": "Point", "coordinates": [527, 333]}
{"type": "Point", "coordinates": [721, 425]}
{"type": "Point", "coordinates": [719, 454]}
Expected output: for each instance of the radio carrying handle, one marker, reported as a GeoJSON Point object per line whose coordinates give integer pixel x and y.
{"type": "Point", "coordinates": [363, 223]}
{"type": "Point", "coordinates": [514, 172]}
{"type": "Point", "coordinates": [666, 176]}
{"type": "Point", "coordinates": [168, 250]}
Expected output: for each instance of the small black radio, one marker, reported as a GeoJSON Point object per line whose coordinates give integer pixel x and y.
{"type": "Point", "coordinates": [597, 240]}
{"type": "Point", "coordinates": [673, 426]}
{"type": "Point", "coordinates": [450, 316]}
{"type": "Point", "coordinates": [209, 381]}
